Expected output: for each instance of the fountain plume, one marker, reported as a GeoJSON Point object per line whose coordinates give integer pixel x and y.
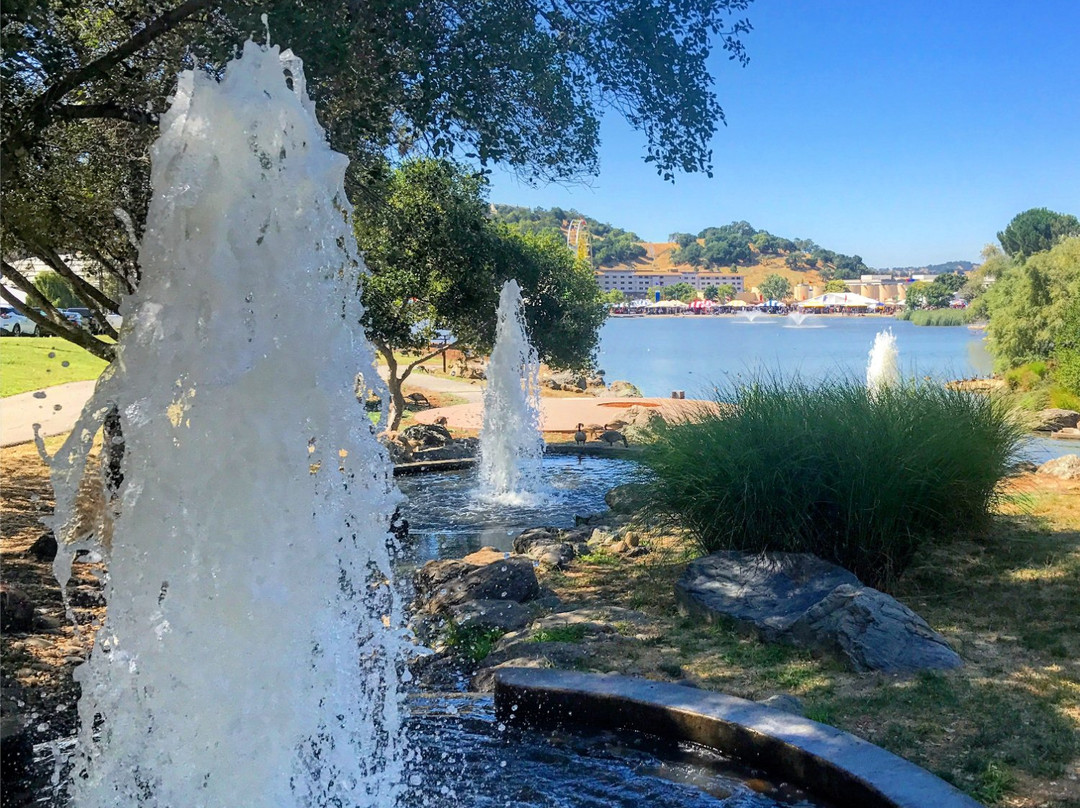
{"type": "Point", "coordinates": [883, 368]}
{"type": "Point", "coordinates": [511, 443]}
{"type": "Point", "coordinates": [250, 651]}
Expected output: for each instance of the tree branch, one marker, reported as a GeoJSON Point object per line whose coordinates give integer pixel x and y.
{"type": "Point", "coordinates": [72, 112]}
{"type": "Point", "coordinates": [53, 321]}
{"type": "Point", "coordinates": [88, 293]}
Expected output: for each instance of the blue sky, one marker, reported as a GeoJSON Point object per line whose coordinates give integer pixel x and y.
{"type": "Point", "coordinates": [908, 132]}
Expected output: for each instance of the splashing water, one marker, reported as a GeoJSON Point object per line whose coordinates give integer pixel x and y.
{"type": "Point", "coordinates": [511, 444]}
{"type": "Point", "coordinates": [883, 369]}
{"type": "Point", "coordinates": [250, 652]}
{"type": "Point", "coordinates": [799, 318]}
{"type": "Point", "coordinates": [747, 316]}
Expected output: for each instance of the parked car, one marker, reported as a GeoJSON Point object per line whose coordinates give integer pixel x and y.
{"type": "Point", "coordinates": [15, 324]}
{"type": "Point", "coordinates": [91, 319]}
{"type": "Point", "coordinates": [75, 317]}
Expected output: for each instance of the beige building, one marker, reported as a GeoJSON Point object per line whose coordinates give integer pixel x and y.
{"type": "Point", "coordinates": [637, 283]}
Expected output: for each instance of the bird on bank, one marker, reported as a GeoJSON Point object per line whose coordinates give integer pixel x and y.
{"type": "Point", "coordinates": [613, 436]}
{"type": "Point", "coordinates": [580, 436]}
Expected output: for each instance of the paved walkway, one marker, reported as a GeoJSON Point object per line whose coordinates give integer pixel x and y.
{"type": "Point", "coordinates": [55, 408]}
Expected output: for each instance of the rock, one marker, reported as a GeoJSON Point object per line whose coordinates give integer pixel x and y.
{"type": "Point", "coordinates": [1023, 467]}
{"type": "Point", "coordinates": [456, 449]}
{"type": "Point", "coordinates": [761, 593]}
{"type": "Point", "coordinates": [626, 498]}
{"type": "Point", "coordinates": [44, 547]}
{"type": "Point", "coordinates": [785, 703]}
{"type": "Point", "coordinates": [874, 631]}
{"type": "Point", "coordinates": [1055, 418]}
{"type": "Point", "coordinates": [621, 389]}
{"type": "Point", "coordinates": [567, 379]}
{"type": "Point", "coordinates": [799, 599]}
{"type": "Point", "coordinates": [500, 614]}
{"type": "Point", "coordinates": [523, 653]}
{"type": "Point", "coordinates": [426, 436]}
{"type": "Point", "coordinates": [552, 546]}
{"type": "Point", "coordinates": [641, 423]}
{"type": "Point", "coordinates": [1066, 467]}
{"type": "Point", "coordinates": [16, 610]}
{"type": "Point", "coordinates": [443, 584]}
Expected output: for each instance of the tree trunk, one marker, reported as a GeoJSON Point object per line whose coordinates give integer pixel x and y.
{"type": "Point", "coordinates": [393, 383]}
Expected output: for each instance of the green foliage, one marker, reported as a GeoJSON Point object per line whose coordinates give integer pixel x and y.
{"type": "Point", "coordinates": [1029, 302]}
{"type": "Point", "coordinates": [725, 291]}
{"type": "Point", "coordinates": [927, 295]}
{"type": "Point", "coordinates": [936, 317]}
{"type": "Point", "coordinates": [1036, 230]}
{"type": "Point", "coordinates": [1026, 377]}
{"type": "Point", "coordinates": [836, 285]}
{"type": "Point", "coordinates": [712, 292]}
{"type": "Point", "coordinates": [861, 480]}
{"type": "Point", "coordinates": [610, 245]}
{"type": "Point", "coordinates": [775, 287]}
{"type": "Point", "coordinates": [1067, 348]}
{"type": "Point", "coordinates": [951, 281]}
{"type": "Point", "coordinates": [683, 239]}
{"type": "Point", "coordinates": [57, 290]}
{"type": "Point", "coordinates": [474, 643]}
{"type": "Point", "coordinates": [679, 291]}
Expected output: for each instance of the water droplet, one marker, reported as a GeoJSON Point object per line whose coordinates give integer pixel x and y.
{"type": "Point", "coordinates": [502, 727]}
{"type": "Point", "coordinates": [57, 407]}
{"type": "Point", "coordinates": [65, 364]}
{"type": "Point", "coordinates": [502, 764]}
{"type": "Point", "coordinates": [52, 354]}
{"type": "Point", "coordinates": [40, 394]}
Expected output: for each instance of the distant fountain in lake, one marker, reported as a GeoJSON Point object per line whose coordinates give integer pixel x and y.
{"type": "Point", "coordinates": [883, 369]}
{"type": "Point", "coordinates": [802, 319]}
{"type": "Point", "coordinates": [250, 651]}
{"type": "Point", "coordinates": [511, 444]}
{"type": "Point", "coordinates": [748, 316]}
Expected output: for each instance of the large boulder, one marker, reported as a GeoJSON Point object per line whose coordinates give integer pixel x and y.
{"type": "Point", "coordinates": [641, 421]}
{"type": "Point", "coordinates": [1055, 418]}
{"type": "Point", "coordinates": [764, 594]}
{"type": "Point", "coordinates": [626, 498]}
{"type": "Point", "coordinates": [874, 632]}
{"type": "Point", "coordinates": [505, 615]}
{"type": "Point", "coordinates": [1066, 467]}
{"type": "Point", "coordinates": [621, 389]}
{"type": "Point", "coordinates": [802, 600]}
{"type": "Point", "coordinates": [17, 613]}
{"type": "Point", "coordinates": [457, 449]}
{"type": "Point", "coordinates": [441, 585]}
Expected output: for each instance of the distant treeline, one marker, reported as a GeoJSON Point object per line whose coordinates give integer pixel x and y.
{"type": "Point", "coordinates": [949, 267]}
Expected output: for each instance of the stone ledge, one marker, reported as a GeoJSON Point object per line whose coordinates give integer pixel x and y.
{"type": "Point", "coordinates": [829, 763]}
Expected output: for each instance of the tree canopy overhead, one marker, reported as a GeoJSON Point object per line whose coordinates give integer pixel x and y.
{"type": "Point", "coordinates": [1036, 230]}
{"type": "Point", "coordinates": [523, 84]}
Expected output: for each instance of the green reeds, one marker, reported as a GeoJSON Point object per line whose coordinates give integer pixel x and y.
{"type": "Point", "coordinates": [858, 479]}
{"type": "Point", "coordinates": [936, 316]}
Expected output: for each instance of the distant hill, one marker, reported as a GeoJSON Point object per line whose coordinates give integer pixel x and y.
{"type": "Point", "coordinates": [738, 247]}
{"type": "Point", "coordinates": [933, 269]}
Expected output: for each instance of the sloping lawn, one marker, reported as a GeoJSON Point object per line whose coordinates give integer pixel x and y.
{"type": "Point", "coordinates": [31, 363]}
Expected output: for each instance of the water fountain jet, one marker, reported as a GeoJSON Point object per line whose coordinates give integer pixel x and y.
{"type": "Point", "coordinates": [250, 651]}
{"type": "Point", "coordinates": [883, 367]}
{"type": "Point", "coordinates": [511, 443]}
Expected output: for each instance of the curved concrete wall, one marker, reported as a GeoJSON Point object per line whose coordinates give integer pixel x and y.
{"type": "Point", "coordinates": [834, 765]}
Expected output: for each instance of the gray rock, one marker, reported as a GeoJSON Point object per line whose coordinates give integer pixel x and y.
{"type": "Point", "coordinates": [621, 389]}
{"type": "Point", "coordinates": [552, 546]}
{"type": "Point", "coordinates": [1066, 467]}
{"type": "Point", "coordinates": [874, 631]}
{"type": "Point", "coordinates": [567, 380]}
{"type": "Point", "coordinates": [527, 654]}
{"type": "Point", "coordinates": [784, 702]}
{"type": "Point", "coordinates": [16, 610]}
{"type": "Point", "coordinates": [501, 614]}
{"type": "Point", "coordinates": [1055, 418]}
{"type": "Point", "coordinates": [765, 594]}
{"type": "Point", "coordinates": [44, 547]}
{"type": "Point", "coordinates": [443, 584]}
{"type": "Point", "coordinates": [454, 450]}
{"type": "Point", "coordinates": [426, 436]}
{"type": "Point", "coordinates": [802, 600]}
{"type": "Point", "coordinates": [626, 498]}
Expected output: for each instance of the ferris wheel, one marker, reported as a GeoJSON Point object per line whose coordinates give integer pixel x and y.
{"type": "Point", "coordinates": [577, 239]}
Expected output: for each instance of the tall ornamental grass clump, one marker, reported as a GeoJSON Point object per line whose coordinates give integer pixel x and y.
{"type": "Point", "coordinates": [859, 479]}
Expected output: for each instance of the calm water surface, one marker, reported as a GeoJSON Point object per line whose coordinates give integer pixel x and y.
{"type": "Point", "coordinates": [697, 353]}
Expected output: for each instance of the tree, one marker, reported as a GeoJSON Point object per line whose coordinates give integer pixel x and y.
{"type": "Point", "coordinates": [923, 295]}
{"type": "Point", "coordinates": [436, 264]}
{"type": "Point", "coordinates": [1067, 349]}
{"type": "Point", "coordinates": [679, 291]}
{"type": "Point", "coordinates": [518, 84]}
{"type": "Point", "coordinates": [794, 261]}
{"type": "Point", "coordinates": [684, 240]}
{"type": "Point", "coordinates": [835, 285]}
{"type": "Point", "coordinates": [1036, 230]}
{"type": "Point", "coordinates": [56, 290]}
{"type": "Point", "coordinates": [693, 254]}
{"type": "Point", "coordinates": [712, 292]}
{"type": "Point", "coordinates": [951, 281]}
{"type": "Point", "coordinates": [613, 297]}
{"type": "Point", "coordinates": [775, 287]}
{"type": "Point", "coordinates": [725, 292]}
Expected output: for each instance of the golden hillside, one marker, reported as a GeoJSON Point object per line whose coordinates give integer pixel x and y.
{"type": "Point", "coordinates": [659, 259]}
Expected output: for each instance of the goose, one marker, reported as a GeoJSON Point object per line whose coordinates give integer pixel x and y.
{"type": "Point", "coordinates": [613, 436]}
{"type": "Point", "coordinates": [580, 436]}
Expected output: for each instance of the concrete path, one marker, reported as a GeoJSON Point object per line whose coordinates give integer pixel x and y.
{"type": "Point", "coordinates": [55, 408]}
{"type": "Point", "coordinates": [473, 391]}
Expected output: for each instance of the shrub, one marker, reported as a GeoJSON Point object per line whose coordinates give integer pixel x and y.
{"type": "Point", "coordinates": [858, 479]}
{"type": "Point", "coordinates": [938, 317]}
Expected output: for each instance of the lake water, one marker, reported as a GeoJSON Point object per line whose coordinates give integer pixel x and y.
{"type": "Point", "coordinates": [697, 353]}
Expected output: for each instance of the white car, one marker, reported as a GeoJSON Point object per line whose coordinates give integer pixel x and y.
{"type": "Point", "coordinates": [15, 324]}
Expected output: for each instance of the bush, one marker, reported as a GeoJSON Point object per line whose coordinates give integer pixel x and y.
{"type": "Point", "coordinates": [940, 317]}
{"type": "Point", "coordinates": [1026, 377]}
{"type": "Point", "coordinates": [56, 289]}
{"type": "Point", "coordinates": [856, 479]}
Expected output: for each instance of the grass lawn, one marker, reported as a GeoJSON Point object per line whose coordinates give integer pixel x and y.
{"type": "Point", "coordinates": [1005, 728]}
{"type": "Point", "coordinates": [32, 363]}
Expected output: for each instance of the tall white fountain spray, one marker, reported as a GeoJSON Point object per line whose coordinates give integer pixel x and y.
{"type": "Point", "coordinates": [250, 653]}
{"type": "Point", "coordinates": [883, 369]}
{"type": "Point", "coordinates": [511, 444]}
